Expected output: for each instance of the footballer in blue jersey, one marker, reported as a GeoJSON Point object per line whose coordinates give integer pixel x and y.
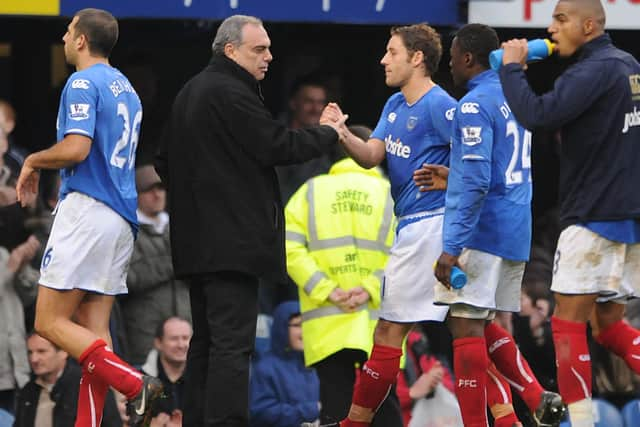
{"type": "Point", "coordinates": [487, 233]}
{"type": "Point", "coordinates": [108, 172]}
{"type": "Point", "coordinates": [488, 205]}
{"type": "Point", "coordinates": [91, 241]}
{"type": "Point", "coordinates": [413, 129]}
{"type": "Point", "coordinates": [415, 134]}
{"type": "Point", "coordinates": [595, 106]}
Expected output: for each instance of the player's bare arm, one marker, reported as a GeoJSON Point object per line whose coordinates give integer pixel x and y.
{"type": "Point", "coordinates": [71, 150]}
{"type": "Point", "coordinates": [367, 154]}
{"type": "Point", "coordinates": [431, 177]}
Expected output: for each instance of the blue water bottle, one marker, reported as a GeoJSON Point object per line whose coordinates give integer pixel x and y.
{"type": "Point", "coordinates": [538, 49]}
{"type": "Point", "coordinates": [458, 278]}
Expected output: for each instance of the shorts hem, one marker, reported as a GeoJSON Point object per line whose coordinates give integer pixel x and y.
{"type": "Point", "coordinates": [82, 288]}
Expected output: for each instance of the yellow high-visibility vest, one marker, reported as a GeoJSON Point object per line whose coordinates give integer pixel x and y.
{"type": "Point", "coordinates": [339, 229]}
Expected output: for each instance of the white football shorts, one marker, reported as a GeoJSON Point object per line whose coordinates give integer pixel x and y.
{"type": "Point", "coordinates": [89, 247]}
{"type": "Point", "coordinates": [587, 263]}
{"type": "Point", "coordinates": [493, 284]}
{"type": "Point", "coordinates": [407, 290]}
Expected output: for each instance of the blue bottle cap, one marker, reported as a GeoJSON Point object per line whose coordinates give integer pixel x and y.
{"type": "Point", "coordinates": [458, 278]}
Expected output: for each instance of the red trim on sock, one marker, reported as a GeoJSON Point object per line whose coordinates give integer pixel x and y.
{"type": "Point", "coordinates": [572, 359]}
{"type": "Point", "coordinates": [96, 344]}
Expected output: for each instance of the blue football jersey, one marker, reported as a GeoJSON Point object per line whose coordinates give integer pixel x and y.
{"type": "Point", "coordinates": [488, 202]}
{"type": "Point", "coordinates": [413, 135]}
{"type": "Point", "coordinates": [99, 102]}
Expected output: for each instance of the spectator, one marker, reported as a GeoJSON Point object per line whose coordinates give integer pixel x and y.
{"type": "Point", "coordinates": [340, 228]}
{"type": "Point", "coordinates": [308, 99]}
{"type": "Point", "coordinates": [421, 375]}
{"type": "Point", "coordinates": [218, 156]}
{"type": "Point", "coordinates": [150, 279]}
{"type": "Point", "coordinates": [50, 398]}
{"type": "Point", "coordinates": [284, 393]}
{"type": "Point", "coordinates": [14, 155]}
{"type": "Point", "coordinates": [167, 361]}
{"type": "Point", "coordinates": [18, 284]}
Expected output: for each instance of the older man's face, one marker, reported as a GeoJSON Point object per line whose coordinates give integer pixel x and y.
{"type": "Point", "coordinates": [253, 53]}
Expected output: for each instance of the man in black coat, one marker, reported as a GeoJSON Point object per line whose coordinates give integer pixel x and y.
{"type": "Point", "coordinates": [217, 159]}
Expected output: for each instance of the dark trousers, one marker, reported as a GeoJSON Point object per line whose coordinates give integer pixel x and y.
{"type": "Point", "coordinates": [224, 308]}
{"type": "Point", "coordinates": [337, 374]}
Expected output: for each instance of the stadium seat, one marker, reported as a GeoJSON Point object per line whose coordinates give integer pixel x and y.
{"type": "Point", "coordinates": [631, 413]}
{"type": "Point", "coordinates": [604, 415]}
{"type": "Point", "coordinates": [6, 419]}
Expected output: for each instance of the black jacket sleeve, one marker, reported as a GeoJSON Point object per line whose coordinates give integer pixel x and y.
{"type": "Point", "coordinates": [573, 93]}
{"type": "Point", "coordinates": [267, 140]}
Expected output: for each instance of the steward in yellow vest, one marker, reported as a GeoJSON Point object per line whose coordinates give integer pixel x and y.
{"type": "Point", "coordinates": [339, 229]}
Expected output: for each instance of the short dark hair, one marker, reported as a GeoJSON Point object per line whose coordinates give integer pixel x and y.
{"type": "Point", "coordinates": [479, 40]}
{"type": "Point", "coordinates": [35, 334]}
{"type": "Point", "coordinates": [422, 37]}
{"type": "Point", "coordinates": [160, 328]}
{"type": "Point", "coordinates": [309, 80]}
{"type": "Point", "coordinates": [100, 28]}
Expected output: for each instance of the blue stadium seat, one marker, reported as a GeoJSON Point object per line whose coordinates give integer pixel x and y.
{"type": "Point", "coordinates": [6, 419]}
{"type": "Point", "coordinates": [604, 415]}
{"type": "Point", "coordinates": [631, 413]}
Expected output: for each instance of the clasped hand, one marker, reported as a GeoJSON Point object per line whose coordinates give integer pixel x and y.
{"type": "Point", "coordinates": [333, 116]}
{"type": "Point", "coordinates": [349, 300]}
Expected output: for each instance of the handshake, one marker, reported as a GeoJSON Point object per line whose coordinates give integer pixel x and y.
{"type": "Point", "coordinates": [349, 300]}
{"type": "Point", "coordinates": [333, 116]}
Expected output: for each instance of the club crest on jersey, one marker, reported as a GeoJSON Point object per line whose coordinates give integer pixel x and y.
{"type": "Point", "coordinates": [412, 122]}
{"type": "Point", "coordinates": [80, 84]}
{"type": "Point", "coordinates": [634, 81]}
{"type": "Point", "coordinates": [471, 135]}
{"type": "Point", "coordinates": [79, 112]}
{"type": "Point", "coordinates": [391, 117]}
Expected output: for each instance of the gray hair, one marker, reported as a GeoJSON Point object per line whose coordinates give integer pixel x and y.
{"type": "Point", "coordinates": [230, 31]}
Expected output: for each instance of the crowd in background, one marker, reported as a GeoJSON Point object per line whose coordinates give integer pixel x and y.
{"type": "Point", "coordinates": [151, 325]}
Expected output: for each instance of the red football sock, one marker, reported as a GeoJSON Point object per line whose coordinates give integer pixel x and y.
{"type": "Point", "coordinates": [349, 423]}
{"type": "Point", "coordinates": [470, 363]}
{"type": "Point", "coordinates": [514, 368]}
{"type": "Point", "coordinates": [378, 374]}
{"type": "Point", "coordinates": [508, 420]}
{"type": "Point", "coordinates": [624, 340]}
{"type": "Point", "coordinates": [499, 399]}
{"type": "Point", "coordinates": [91, 397]}
{"type": "Point", "coordinates": [98, 360]}
{"type": "Point", "coordinates": [498, 390]}
{"type": "Point", "coordinates": [572, 359]}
